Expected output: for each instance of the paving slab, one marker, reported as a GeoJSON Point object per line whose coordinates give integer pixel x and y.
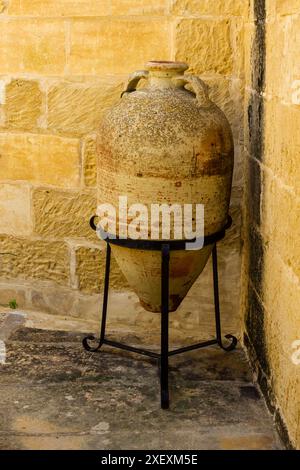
{"type": "Point", "coordinates": [55, 395]}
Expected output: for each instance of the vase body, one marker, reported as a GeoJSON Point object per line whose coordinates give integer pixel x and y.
{"type": "Point", "coordinates": [164, 144]}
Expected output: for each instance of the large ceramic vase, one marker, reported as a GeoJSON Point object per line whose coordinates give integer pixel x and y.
{"type": "Point", "coordinates": [165, 142]}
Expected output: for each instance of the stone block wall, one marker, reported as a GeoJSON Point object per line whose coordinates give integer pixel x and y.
{"type": "Point", "coordinates": [62, 63]}
{"type": "Point", "coordinates": [271, 281]}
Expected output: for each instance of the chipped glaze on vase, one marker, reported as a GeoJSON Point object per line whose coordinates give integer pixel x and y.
{"type": "Point", "coordinates": [161, 144]}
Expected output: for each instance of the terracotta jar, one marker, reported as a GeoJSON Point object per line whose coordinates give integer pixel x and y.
{"type": "Point", "coordinates": [163, 143]}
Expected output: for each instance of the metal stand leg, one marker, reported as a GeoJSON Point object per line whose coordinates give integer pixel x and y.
{"type": "Point", "coordinates": [164, 357]}
{"type": "Point", "coordinates": [233, 339]}
{"type": "Point", "coordinates": [105, 294]}
{"type": "Point", "coordinates": [104, 307]}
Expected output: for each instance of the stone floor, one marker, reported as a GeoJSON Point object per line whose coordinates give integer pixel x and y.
{"type": "Point", "coordinates": [54, 395]}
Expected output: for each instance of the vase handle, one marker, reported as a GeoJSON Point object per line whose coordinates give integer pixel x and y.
{"type": "Point", "coordinates": [133, 80]}
{"type": "Point", "coordinates": [198, 87]}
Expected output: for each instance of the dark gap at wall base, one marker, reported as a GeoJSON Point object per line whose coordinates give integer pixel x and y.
{"type": "Point", "coordinates": [255, 329]}
{"type": "Point", "coordinates": [267, 393]}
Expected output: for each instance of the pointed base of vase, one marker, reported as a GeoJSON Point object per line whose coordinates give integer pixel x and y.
{"type": "Point", "coordinates": [142, 269]}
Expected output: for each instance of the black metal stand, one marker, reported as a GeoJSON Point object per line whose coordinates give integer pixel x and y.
{"type": "Point", "coordinates": [163, 358]}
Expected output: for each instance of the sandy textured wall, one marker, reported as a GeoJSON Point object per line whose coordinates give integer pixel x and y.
{"type": "Point", "coordinates": [272, 221]}
{"type": "Point", "coordinates": [62, 63]}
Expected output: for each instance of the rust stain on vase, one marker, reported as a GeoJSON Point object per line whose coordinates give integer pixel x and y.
{"type": "Point", "coordinates": [165, 144]}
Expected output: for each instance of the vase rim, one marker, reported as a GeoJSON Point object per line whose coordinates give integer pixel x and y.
{"type": "Point", "coordinates": [166, 65]}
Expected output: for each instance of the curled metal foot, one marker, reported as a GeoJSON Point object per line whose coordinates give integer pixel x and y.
{"type": "Point", "coordinates": [231, 346]}
{"type": "Point", "coordinates": [87, 347]}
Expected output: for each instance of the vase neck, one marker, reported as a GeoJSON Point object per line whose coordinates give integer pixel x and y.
{"type": "Point", "coordinates": [161, 73]}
